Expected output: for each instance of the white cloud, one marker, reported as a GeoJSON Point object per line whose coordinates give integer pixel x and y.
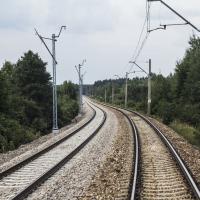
{"type": "Point", "coordinates": [105, 32]}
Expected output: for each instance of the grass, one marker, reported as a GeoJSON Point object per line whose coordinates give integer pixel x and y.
{"type": "Point", "coordinates": [190, 133]}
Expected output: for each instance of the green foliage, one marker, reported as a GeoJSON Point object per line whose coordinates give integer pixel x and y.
{"type": "Point", "coordinates": [26, 101]}
{"type": "Point", "coordinates": [68, 109]}
{"type": "Point", "coordinates": [3, 93]}
{"type": "Point", "coordinates": [13, 134]}
{"type": "Point", "coordinates": [188, 84]}
{"type": "Point", "coordinates": [166, 111]}
{"type": "Point", "coordinates": [188, 132]}
{"type": "Point", "coordinates": [68, 89]}
{"type": "Point", "coordinates": [67, 102]}
{"type": "Point", "coordinates": [34, 85]}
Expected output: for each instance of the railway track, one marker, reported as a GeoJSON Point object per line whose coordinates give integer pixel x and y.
{"type": "Point", "coordinates": [164, 174]}
{"type": "Point", "coordinates": [21, 179]}
{"type": "Point", "coordinates": [158, 170]}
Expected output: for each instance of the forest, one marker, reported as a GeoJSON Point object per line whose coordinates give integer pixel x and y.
{"type": "Point", "coordinates": [175, 98]}
{"type": "Point", "coordinates": [26, 101]}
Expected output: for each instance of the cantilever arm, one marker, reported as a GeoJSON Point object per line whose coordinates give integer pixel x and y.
{"type": "Point", "coordinates": [159, 28]}
{"type": "Point", "coordinates": [60, 31]}
{"type": "Point", "coordinates": [183, 18]}
{"type": "Point", "coordinates": [138, 66]}
{"type": "Point", "coordinates": [41, 38]}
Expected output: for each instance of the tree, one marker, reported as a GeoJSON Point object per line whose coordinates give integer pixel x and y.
{"type": "Point", "coordinates": [3, 94]}
{"type": "Point", "coordinates": [33, 82]}
{"type": "Point", "coordinates": [67, 102]}
{"type": "Point", "coordinates": [26, 101]}
{"type": "Point", "coordinates": [188, 83]}
{"type": "Point", "coordinates": [32, 77]}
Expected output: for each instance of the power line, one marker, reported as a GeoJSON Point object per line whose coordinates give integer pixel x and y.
{"type": "Point", "coordinates": [141, 47]}
{"type": "Point", "coordinates": [140, 44]}
{"type": "Point", "coordinates": [139, 51]}
{"type": "Point", "coordinates": [146, 22]}
{"type": "Point", "coordinates": [140, 37]}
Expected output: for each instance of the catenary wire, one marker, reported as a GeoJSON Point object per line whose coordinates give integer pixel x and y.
{"type": "Point", "coordinates": [146, 22]}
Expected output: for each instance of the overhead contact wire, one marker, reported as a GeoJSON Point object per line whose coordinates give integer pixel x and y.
{"type": "Point", "coordinates": [146, 21]}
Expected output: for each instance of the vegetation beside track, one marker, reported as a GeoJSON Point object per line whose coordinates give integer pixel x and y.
{"type": "Point", "coordinates": [189, 132]}
{"type": "Point", "coordinates": [26, 101]}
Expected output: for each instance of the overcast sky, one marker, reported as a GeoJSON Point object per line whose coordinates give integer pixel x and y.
{"type": "Point", "coordinates": [104, 32]}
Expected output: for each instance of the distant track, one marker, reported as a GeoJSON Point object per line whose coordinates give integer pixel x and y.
{"type": "Point", "coordinates": [174, 180]}
{"type": "Point", "coordinates": [20, 180]}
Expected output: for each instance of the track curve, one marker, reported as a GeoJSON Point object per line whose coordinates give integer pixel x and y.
{"type": "Point", "coordinates": [172, 177]}
{"type": "Point", "coordinates": [24, 180]}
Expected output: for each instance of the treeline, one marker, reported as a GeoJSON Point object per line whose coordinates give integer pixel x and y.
{"type": "Point", "coordinates": [174, 98]}
{"type": "Point", "coordinates": [26, 101]}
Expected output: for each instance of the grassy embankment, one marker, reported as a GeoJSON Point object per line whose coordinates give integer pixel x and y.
{"type": "Point", "coordinates": [190, 133]}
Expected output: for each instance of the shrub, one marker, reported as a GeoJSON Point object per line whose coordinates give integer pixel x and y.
{"type": "Point", "coordinates": [189, 132]}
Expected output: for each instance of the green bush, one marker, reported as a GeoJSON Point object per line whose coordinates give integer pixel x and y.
{"type": "Point", "coordinates": [13, 134]}
{"type": "Point", "coordinates": [189, 132]}
{"type": "Point", "coordinates": [3, 143]}
{"type": "Point", "coordinates": [11, 145]}
{"type": "Point", "coordinates": [67, 109]}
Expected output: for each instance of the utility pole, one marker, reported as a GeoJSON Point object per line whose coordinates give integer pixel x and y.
{"type": "Point", "coordinates": [82, 75]}
{"type": "Point", "coordinates": [126, 90]}
{"type": "Point", "coordinates": [54, 62]}
{"type": "Point", "coordinates": [78, 69]}
{"type": "Point", "coordinates": [149, 84]}
{"type": "Point", "coordinates": [55, 114]}
{"type": "Point", "coordinates": [80, 90]}
{"type": "Point", "coordinates": [113, 85]}
{"type": "Point", "coordinates": [149, 90]}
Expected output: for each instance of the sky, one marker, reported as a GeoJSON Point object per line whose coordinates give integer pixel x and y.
{"type": "Point", "coordinates": [104, 32]}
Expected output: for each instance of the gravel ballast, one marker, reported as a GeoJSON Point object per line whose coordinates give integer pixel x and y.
{"type": "Point", "coordinates": [160, 177]}
{"type": "Point", "coordinates": [24, 151]}
{"type": "Point", "coordinates": [75, 177]}
{"type": "Point", "coordinates": [189, 153]}
{"type": "Point", "coordinates": [20, 179]}
{"type": "Point", "coordinates": [113, 178]}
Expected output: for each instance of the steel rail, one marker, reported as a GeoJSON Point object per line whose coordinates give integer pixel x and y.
{"type": "Point", "coordinates": [38, 154]}
{"type": "Point", "coordinates": [184, 169]}
{"type": "Point", "coordinates": [25, 192]}
{"type": "Point", "coordinates": [134, 181]}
